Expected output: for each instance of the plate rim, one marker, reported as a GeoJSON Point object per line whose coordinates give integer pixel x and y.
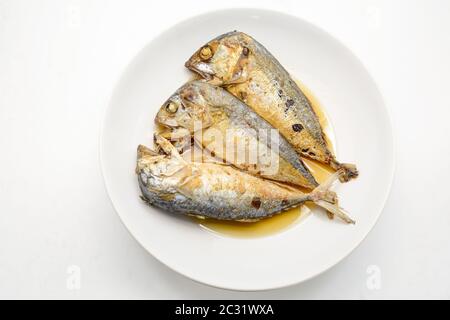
{"type": "Point", "coordinates": [254, 10]}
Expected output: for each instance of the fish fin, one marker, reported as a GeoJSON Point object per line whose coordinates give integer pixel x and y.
{"type": "Point", "coordinates": [193, 174]}
{"type": "Point", "coordinates": [327, 199]}
{"type": "Point", "coordinates": [348, 170]}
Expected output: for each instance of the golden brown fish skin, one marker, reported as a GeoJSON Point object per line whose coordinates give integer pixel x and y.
{"type": "Point", "coordinates": [224, 120]}
{"type": "Point", "coordinates": [216, 190]}
{"type": "Point", "coordinates": [248, 71]}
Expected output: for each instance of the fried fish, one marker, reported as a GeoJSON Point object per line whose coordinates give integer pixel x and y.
{"type": "Point", "coordinates": [219, 191]}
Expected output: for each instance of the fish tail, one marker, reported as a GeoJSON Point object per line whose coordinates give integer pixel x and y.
{"type": "Point", "coordinates": [348, 170]}
{"type": "Point", "coordinates": [327, 199]}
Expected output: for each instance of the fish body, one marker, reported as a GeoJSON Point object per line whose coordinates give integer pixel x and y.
{"type": "Point", "coordinates": [217, 191]}
{"type": "Point", "coordinates": [233, 132]}
{"type": "Point", "coordinates": [250, 72]}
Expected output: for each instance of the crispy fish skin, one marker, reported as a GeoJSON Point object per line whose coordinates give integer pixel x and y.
{"type": "Point", "coordinates": [250, 72]}
{"type": "Point", "coordinates": [227, 121]}
{"type": "Point", "coordinates": [216, 190]}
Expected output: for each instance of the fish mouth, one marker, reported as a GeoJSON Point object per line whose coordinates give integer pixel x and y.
{"type": "Point", "coordinates": [204, 71]}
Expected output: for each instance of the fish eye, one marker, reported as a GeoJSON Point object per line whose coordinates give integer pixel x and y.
{"type": "Point", "coordinates": [171, 107]}
{"type": "Point", "coordinates": [245, 51]}
{"type": "Point", "coordinates": [206, 53]}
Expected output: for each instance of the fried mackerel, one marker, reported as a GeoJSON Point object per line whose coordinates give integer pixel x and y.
{"type": "Point", "coordinates": [248, 71]}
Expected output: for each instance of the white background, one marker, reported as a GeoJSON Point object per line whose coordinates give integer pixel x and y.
{"type": "Point", "coordinates": [59, 61]}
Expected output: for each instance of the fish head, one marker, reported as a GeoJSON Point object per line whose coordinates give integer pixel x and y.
{"type": "Point", "coordinates": [187, 109]}
{"type": "Point", "coordinates": [159, 171]}
{"type": "Point", "coordinates": [223, 60]}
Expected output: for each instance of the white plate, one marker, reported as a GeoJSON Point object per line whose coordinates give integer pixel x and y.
{"type": "Point", "coordinates": [363, 135]}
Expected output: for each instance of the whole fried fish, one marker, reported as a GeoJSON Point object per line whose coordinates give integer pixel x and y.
{"type": "Point", "coordinates": [247, 70]}
{"type": "Point", "coordinates": [217, 190]}
{"type": "Point", "coordinates": [233, 132]}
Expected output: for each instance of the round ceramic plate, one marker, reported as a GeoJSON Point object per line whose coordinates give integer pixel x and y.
{"type": "Point", "coordinates": [300, 252]}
